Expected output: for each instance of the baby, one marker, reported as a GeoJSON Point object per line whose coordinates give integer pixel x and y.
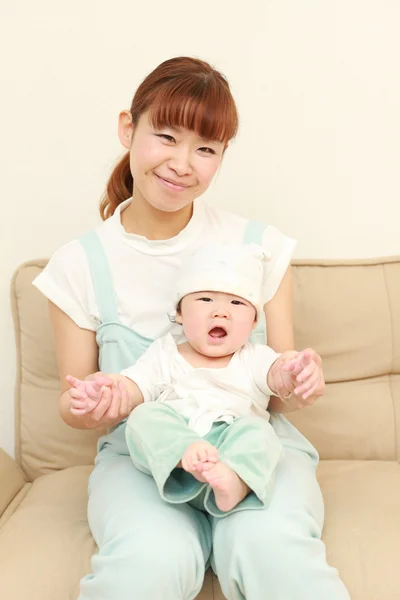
{"type": "Point", "coordinates": [199, 423]}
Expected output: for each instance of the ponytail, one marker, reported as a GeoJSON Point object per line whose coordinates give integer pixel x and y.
{"type": "Point", "coordinates": [119, 188]}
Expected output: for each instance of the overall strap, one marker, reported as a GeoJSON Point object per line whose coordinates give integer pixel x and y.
{"type": "Point", "coordinates": [101, 277]}
{"type": "Point", "coordinates": [254, 232]}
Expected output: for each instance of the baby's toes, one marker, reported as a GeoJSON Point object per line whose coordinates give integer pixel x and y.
{"type": "Point", "coordinates": [187, 462]}
{"type": "Point", "coordinates": [205, 466]}
{"type": "Point", "coordinates": [212, 455]}
{"type": "Point", "coordinates": [201, 454]}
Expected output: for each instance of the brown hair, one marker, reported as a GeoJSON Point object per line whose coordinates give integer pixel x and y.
{"type": "Point", "coordinates": [180, 92]}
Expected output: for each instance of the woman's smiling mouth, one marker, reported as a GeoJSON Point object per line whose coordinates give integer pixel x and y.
{"type": "Point", "coordinates": [172, 185]}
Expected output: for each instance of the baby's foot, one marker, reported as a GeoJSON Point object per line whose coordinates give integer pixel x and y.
{"type": "Point", "coordinates": [228, 488]}
{"type": "Point", "coordinates": [199, 457]}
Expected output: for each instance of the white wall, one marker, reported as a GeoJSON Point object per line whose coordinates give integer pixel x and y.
{"type": "Point", "coordinates": [317, 85]}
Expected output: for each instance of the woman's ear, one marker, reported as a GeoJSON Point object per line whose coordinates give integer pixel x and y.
{"type": "Point", "coordinates": [125, 128]}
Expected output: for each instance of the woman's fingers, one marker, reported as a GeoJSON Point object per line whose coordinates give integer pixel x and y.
{"type": "Point", "coordinates": [78, 411]}
{"type": "Point", "coordinates": [103, 405]}
{"type": "Point", "coordinates": [311, 391]}
{"type": "Point", "coordinates": [307, 371]}
{"type": "Point", "coordinates": [126, 403]}
{"type": "Point", "coordinates": [307, 385]}
{"type": "Point", "coordinates": [113, 410]}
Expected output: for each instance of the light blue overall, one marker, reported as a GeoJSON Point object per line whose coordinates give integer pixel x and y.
{"type": "Point", "coordinates": [152, 550]}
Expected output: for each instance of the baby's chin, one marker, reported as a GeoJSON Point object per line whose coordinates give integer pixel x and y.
{"type": "Point", "coordinates": [216, 350]}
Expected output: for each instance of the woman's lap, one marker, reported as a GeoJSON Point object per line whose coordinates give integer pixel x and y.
{"type": "Point", "coordinates": [147, 548]}
{"type": "Point", "coordinates": [277, 552]}
{"type": "Point", "coordinates": [151, 548]}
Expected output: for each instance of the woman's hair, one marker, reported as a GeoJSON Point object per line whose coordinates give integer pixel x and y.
{"type": "Point", "coordinates": [180, 92]}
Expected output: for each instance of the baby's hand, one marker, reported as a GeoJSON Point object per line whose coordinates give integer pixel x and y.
{"type": "Point", "coordinates": [279, 380]}
{"type": "Point", "coordinates": [85, 394]}
{"type": "Point", "coordinates": [305, 370]}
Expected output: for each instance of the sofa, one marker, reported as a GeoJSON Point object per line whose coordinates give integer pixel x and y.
{"type": "Point", "coordinates": [349, 311]}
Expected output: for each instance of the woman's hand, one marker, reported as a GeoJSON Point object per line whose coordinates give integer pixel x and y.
{"type": "Point", "coordinates": [297, 378]}
{"type": "Point", "coordinates": [98, 401]}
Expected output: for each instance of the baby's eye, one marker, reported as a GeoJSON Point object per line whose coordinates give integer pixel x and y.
{"type": "Point", "coordinates": [205, 299]}
{"type": "Point", "coordinates": [238, 303]}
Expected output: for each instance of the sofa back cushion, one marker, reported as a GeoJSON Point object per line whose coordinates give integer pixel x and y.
{"type": "Point", "coordinates": [44, 443]}
{"type": "Point", "coordinates": [349, 312]}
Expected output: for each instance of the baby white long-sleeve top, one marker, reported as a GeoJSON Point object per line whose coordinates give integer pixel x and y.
{"type": "Point", "coordinates": [205, 395]}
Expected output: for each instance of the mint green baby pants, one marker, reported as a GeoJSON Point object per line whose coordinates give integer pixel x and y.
{"type": "Point", "coordinates": [157, 437]}
{"type": "Point", "coordinates": [150, 549]}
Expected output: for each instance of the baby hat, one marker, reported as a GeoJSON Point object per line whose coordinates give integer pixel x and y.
{"type": "Point", "coordinates": [236, 269]}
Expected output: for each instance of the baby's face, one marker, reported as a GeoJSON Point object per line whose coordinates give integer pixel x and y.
{"type": "Point", "coordinates": [215, 323]}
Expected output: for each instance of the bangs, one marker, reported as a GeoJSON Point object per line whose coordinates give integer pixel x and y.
{"type": "Point", "coordinates": [201, 105]}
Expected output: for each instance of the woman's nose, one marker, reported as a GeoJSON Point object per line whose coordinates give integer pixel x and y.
{"type": "Point", "coordinates": [180, 162]}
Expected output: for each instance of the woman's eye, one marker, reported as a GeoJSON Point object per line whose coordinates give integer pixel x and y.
{"type": "Point", "coordinates": [166, 137]}
{"type": "Point", "coordinates": [207, 150]}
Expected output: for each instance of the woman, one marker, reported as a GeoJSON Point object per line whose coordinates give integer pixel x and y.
{"type": "Point", "coordinates": [110, 295]}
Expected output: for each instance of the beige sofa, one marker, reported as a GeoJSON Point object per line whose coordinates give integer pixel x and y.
{"type": "Point", "coordinates": [350, 313]}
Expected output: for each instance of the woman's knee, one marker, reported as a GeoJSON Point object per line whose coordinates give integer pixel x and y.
{"type": "Point", "coordinates": [281, 543]}
{"type": "Point", "coordinates": [146, 567]}
{"type": "Point", "coordinates": [281, 553]}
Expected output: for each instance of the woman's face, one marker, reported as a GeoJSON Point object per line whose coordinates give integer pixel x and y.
{"type": "Point", "coordinates": [170, 167]}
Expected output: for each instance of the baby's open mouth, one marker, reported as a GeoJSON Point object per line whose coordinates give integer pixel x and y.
{"type": "Point", "coordinates": [217, 332]}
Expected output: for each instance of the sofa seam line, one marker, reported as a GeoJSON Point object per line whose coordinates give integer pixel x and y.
{"type": "Point", "coordinates": [396, 447]}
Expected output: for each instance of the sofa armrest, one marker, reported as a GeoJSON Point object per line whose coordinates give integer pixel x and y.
{"type": "Point", "coordinates": [12, 480]}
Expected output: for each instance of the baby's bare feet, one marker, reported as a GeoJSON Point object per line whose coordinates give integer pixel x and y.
{"type": "Point", "coordinates": [199, 457]}
{"type": "Point", "coordinates": [228, 488]}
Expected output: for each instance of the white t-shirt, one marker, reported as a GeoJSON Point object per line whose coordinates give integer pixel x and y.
{"type": "Point", "coordinates": [205, 395]}
{"type": "Point", "coordinates": [144, 271]}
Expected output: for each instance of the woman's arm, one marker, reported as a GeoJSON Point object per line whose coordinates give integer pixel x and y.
{"type": "Point", "coordinates": [77, 353]}
{"type": "Point", "coordinates": [279, 318]}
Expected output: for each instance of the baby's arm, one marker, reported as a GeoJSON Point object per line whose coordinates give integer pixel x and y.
{"type": "Point", "coordinates": [85, 394]}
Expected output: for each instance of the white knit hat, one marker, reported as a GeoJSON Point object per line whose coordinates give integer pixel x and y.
{"type": "Point", "coordinates": [236, 269]}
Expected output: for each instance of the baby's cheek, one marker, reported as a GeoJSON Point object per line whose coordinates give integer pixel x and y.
{"type": "Point", "coordinates": [192, 328]}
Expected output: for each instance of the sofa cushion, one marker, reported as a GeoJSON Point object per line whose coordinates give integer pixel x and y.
{"type": "Point", "coordinates": [45, 547]}
{"type": "Point", "coordinates": [348, 311]}
{"type": "Point", "coordinates": [362, 525]}
{"type": "Point", "coordinates": [12, 481]}
{"type": "Point", "coordinates": [354, 419]}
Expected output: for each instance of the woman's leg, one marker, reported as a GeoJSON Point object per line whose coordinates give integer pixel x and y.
{"type": "Point", "coordinates": [148, 549]}
{"type": "Point", "coordinates": [277, 552]}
